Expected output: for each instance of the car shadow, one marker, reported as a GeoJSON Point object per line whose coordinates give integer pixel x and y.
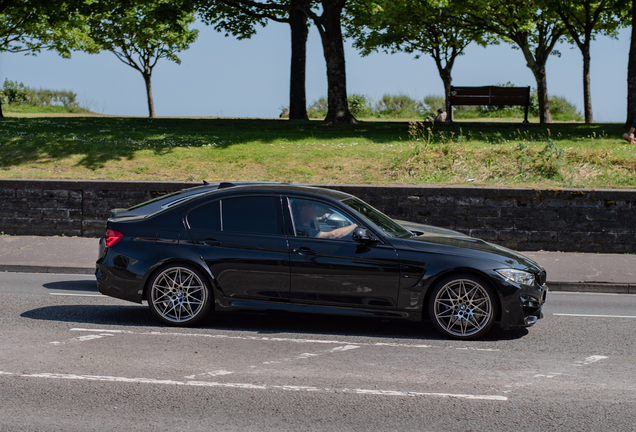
{"type": "Point", "coordinates": [264, 323]}
{"type": "Point", "coordinates": [72, 285]}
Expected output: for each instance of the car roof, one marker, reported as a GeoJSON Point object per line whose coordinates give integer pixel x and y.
{"type": "Point", "coordinates": [284, 187]}
{"type": "Point", "coordinates": [210, 189]}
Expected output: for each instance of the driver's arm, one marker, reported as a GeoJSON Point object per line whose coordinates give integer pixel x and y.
{"type": "Point", "coordinates": [338, 233]}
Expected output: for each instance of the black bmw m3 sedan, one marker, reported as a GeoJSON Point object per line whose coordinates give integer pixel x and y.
{"type": "Point", "coordinates": [276, 246]}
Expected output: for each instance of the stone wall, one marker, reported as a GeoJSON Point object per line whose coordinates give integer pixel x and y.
{"type": "Point", "coordinates": [70, 207]}
{"type": "Point", "coordinates": [524, 219]}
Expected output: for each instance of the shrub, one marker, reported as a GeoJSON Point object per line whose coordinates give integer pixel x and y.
{"type": "Point", "coordinates": [563, 110]}
{"type": "Point", "coordinates": [14, 93]}
{"type": "Point", "coordinates": [560, 108]}
{"type": "Point", "coordinates": [318, 108]}
{"type": "Point", "coordinates": [399, 105]}
{"type": "Point", "coordinates": [359, 106]}
{"type": "Point", "coordinates": [46, 97]}
{"type": "Point", "coordinates": [434, 102]}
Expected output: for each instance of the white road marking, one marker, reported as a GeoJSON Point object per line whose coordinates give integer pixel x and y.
{"type": "Point", "coordinates": [594, 316]}
{"type": "Point", "coordinates": [307, 355]}
{"type": "Point", "coordinates": [549, 375]}
{"type": "Point", "coordinates": [76, 295]}
{"type": "Point", "coordinates": [272, 339]}
{"type": "Point", "coordinates": [211, 374]}
{"type": "Point", "coordinates": [83, 338]}
{"type": "Point", "coordinates": [303, 356]}
{"type": "Point", "coordinates": [344, 348]}
{"type": "Point", "coordinates": [590, 360]}
{"type": "Point", "coordinates": [258, 386]}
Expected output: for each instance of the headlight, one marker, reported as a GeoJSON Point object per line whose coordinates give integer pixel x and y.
{"type": "Point", "coordinates": [517, 276]}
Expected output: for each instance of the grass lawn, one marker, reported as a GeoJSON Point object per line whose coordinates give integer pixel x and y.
{"type": "Point", "coordinates": [100, 147]}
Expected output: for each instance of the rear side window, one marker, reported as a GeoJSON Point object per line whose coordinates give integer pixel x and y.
{"type": "Point", "coordinates": [206, 217]}
{"type": "Point", "coordinates": [254, 215]}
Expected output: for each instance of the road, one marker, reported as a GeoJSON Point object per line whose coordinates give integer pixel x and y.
{"type": "Point", "coordinates": [73, 360]}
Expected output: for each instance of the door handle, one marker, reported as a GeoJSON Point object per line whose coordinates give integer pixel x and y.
{"type": "Point", "coordinates": [209, 242]}
{"type": "Point", "coordinates": [304, 251]}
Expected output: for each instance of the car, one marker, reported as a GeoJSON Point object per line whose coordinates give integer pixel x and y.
{"type": "Point", "coordinates": [288, 247]}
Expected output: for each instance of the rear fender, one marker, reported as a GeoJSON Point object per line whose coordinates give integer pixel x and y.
{"type": "Point", "coordinates": [169, 261]}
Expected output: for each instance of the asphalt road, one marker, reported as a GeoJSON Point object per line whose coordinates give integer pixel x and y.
{"type": "Point", "coordinates": [71, 359]}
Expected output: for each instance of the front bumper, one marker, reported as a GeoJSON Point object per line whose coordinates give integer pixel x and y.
{"type": "Point", "coordinates": [523, 308]}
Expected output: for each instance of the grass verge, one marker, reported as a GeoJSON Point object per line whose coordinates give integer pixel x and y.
{"type": "Point", "coordinates": [560, 155]}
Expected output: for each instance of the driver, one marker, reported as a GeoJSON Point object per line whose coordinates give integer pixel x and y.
{"type": "Point", "coordinates": [305, 217]}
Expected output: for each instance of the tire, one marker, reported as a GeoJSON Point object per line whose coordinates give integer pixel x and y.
{"type": "Point", "coordinates": [462, 306]}
{"type": "Point", "coordinates": [179, 295]}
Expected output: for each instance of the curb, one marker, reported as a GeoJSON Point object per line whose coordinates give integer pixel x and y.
{"type": "Point", "coordinates": [588, 287]}
{"type": "Point", "coordinates": [593, 287]}
{"type": "Point", "coordinates": [45, 269]}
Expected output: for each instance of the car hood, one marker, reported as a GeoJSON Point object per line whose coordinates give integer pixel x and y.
{"type": "Point", "coordinates": [426, 235]}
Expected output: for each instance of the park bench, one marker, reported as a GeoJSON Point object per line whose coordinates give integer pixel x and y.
{"type": "Point", "coordinates": [488, 95]}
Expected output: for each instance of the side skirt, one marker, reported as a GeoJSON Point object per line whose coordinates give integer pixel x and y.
{"type": "Point", "coordinates": [223, 304]}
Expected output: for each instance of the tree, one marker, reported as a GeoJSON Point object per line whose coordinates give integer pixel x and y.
{"type": "Point", "coordinates": [584, 19]}
{"type": "Point", "coordinates": [533, 29]}
{"type": "Point", "coordinates": [29, 26]}
{"type": "Point", "coordinates": [415, 27]}
{"type": "Point", "coordinates": [631, 69]}
{"type": "Point", "coordinates": [329, 24]}
{"type": "Point", "coordinates": [327, 17]}
{"type": "Point", "coordinates": [240, 19]}
{"type": "Point", "coordinates": [140, 34]}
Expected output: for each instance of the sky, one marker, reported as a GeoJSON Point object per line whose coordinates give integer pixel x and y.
{"type": "Point", "coordinates": [223, 76]}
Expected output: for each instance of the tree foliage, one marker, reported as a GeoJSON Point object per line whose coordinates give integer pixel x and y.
{"type": "Point", "coordinates": [141, 34]}
{"type": "Point", "coordinates": [532, 28]}
{"type": "Point", "coordinates": [326, 15]}
{"type": "Point", "coordinates": [584, 20]}
{"type": "Point", "coordinates": [241, 18]}
{"type": "Point", "coordinates": [30, 26]}
{"type": "Point", "coordinates": [417, 27]}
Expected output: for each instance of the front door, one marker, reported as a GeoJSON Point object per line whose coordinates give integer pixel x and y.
{"type": "Point", "coordinates": [329, 268]}
{"type": "Point", "coordinates": [242, 242]}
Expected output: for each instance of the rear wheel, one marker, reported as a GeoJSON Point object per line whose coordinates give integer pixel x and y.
{"type": "Point", "coordinates": [462, 307]}
{"type": "Point", "coordinates": [179, 295]}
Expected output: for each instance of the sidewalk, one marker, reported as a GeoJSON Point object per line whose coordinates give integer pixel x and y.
{"type": "Point", "coordinates": [584, 272]}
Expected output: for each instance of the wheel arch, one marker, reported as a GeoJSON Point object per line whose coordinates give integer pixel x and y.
{"type": "Point", "coordinates": [171, 261]}
{"type": "Point", "coordinates": [435, 280]}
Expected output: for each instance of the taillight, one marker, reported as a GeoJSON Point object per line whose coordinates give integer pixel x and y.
{"type": "Point", "coordinates": [113, 237]}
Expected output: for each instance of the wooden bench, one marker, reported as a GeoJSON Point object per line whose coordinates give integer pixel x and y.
{"type": "Point", "coordinates": [488, 95]}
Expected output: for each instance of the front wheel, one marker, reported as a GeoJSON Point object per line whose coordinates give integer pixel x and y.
{"type": "Point", "coordinates": [178, 295]}
{"type": "Point", "coordinates": [462, 307]}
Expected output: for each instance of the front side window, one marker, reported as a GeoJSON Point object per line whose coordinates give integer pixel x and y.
{"type": "Point", "coordinates": [315, 219]}
{"type": "Point", "coordinates": [379, 219]}
{"type": "Point", "coordinates": [254, 215]}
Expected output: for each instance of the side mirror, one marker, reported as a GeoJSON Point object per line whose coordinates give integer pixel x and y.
{"type": "Point", "coordinates": [362, 235]}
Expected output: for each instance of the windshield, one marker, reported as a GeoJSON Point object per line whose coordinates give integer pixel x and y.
{"type": "Point", "coordinates": [379, 219]}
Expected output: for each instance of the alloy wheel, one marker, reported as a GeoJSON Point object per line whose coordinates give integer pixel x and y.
{"type": "Point", "coordinates": [178, 295]}
{"type": "Point", "coordinates": [463, 308]}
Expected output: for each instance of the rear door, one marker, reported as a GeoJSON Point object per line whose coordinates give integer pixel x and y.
{"type": "Point", "coordinates": [243, 243]}
{"type": "Point", "coordinates": [337, 271]}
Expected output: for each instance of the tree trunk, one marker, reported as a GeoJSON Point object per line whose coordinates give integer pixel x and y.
{"type": "Point", "coordinates": [537, 66]}
{"type": "Point", "coordinates": [151, 103]}
{"type": "Point", "coordinates": [1, 114]}
{"type": "Point", "coordinates": [631, 72]}
{"type": "Point", "coordinates": [445, 75]}
{"type": "Point", "coordinates": [299, 32]}
{"type": "Point", "coordinates": [587, 91]}
{"type": "Point", "coordinates": [333, 48]}
{"type": "Point", "coordinates": [542, 94]}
